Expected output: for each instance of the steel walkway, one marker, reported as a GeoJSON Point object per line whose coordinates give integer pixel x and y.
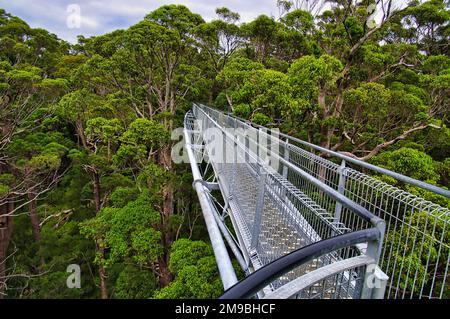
{"type": "Point", "coordinates": [301, 226]}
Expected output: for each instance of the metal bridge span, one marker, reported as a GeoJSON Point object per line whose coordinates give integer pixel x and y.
{"type": "Point", "coordinates": [302, 226]}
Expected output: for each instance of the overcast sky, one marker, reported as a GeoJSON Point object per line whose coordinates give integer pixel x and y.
{"type": "Point", "coordinates": [102, 16]}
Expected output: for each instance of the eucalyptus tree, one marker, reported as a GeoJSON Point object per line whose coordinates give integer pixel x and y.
{"type": "Point", "coordinates": [218, 40]}
{"type": "Point", "coordinates": [345, 54]}
{"type": "Point", "coordinates": [27, 90]}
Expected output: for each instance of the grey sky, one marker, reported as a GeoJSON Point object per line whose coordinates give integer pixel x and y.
{"type": "Point", "coordinates": [101, 16]}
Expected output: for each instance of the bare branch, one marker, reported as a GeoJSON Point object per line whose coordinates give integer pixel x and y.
{"type": "Point", "coordinates": [402, 136]}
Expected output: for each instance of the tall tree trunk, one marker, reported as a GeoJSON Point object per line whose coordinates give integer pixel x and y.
{"type": "Point", "coordinates": [165, 276]}
{"type": "Point", "coordinates": [6, 228]}
{"type": "Point", "coordinates": [165, 160]}
{"type": "Point", "coordinates": [34, 217]}
{"type": "Point", "coordinates": [35, 228]}
{"type": "Point", "coordinates": [103, 288]}
{"type": "Point", "coordinates": [102, 273]}
{"type": "Point", "coordinates": [324, 127]}
{"type": "Point", "coordinates": [80, 132]}
{"type": "Point", "coordinates": [230, 102]}
{"type": "Point", "coordinates": [100, 248]}
{"type": "Point", "coordinates": [96, 190]}
{"type": "Point", "coordinates": [168, 203]}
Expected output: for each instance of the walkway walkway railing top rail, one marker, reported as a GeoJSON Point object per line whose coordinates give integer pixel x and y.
{"type": "Point", "coordinates": [416, 249]}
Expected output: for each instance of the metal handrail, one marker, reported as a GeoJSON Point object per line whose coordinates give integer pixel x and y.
{"type": "Point", "coordinates": [354, 207]}
{"type": "Point", "coordinates": [226, 270]}
{"type": "Point", "coordinates": [262, 277]}
{"type": "Point", "coordinates": [298, 286]}
{"type": "Point", "coordinates": [400, 177]}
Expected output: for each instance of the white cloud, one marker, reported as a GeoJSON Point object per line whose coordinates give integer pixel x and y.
{"type": "Point", "coordinates": [89, 22]}
{"type": "Point", "coordinates": [102, 16]}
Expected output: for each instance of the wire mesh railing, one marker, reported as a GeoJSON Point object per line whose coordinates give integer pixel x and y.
{"type": "Point", "coordinates": [274, 216]}
{"type": "Point", "coordinates": [416, 249]}
{"type": "Point", "coordinates": [344, 279]}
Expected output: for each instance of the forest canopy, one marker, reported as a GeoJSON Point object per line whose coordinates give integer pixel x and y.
{"type": "Point", "coordinates": [86, 175]}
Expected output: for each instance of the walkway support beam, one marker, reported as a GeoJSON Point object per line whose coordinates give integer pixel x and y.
{"type": "Point", "coordinates": [226, 270]}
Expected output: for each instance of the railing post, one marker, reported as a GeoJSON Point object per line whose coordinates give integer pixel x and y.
{"type": "Point", "coordinates": [285, 168]}
{"type": "Point", "coordinates": [224, 155]}
{"type": "Point", "coordinates": [286, 157]}
{"type": "Point", "coordinates": [257, 143]}
{"type": "Point", "coordinates": [246, 146]}
{"type": "Point", "coordinates": [379, 290]}
{"type": "Point", "coordinates": [374, 247]}
{"type": "Point", "coordinates": [341, 190]}
{"type": "Point", "coordinates": [259, 208]}
{"type": "Point", "coordinates": [375, 280]}
{"type": "Point", "coordinates": [235, 156]}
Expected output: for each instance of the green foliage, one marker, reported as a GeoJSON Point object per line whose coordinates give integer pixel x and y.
{"type": "Point", "coordinates": [227, 15]}
{"type": "Point", "coordinates": [141, 138]}
{"type": "Point", "coordinates": [354, 27]}
{"type": "Point", "coordinates": [122, 196]}
{"type": "Point", "coordinates": [264, 90]}
{"type": "Point", "coordinates": [60, 246]}
{"type": "Point", "coordinates": [175, 16]}
{"type": "Point", "coordinates": [195, 270]}
{"type": "Point", "coordinates": [419, 249]}
{"type": "Point", "coordinates": [135, 283]}
{"type": "Point", "coordinates": [444, 171]}
{"type": "Point", "coordinates": [242, 110]}
{"type": "Point", "coordinates": [100, 112]}
{"type": "Point", "coordinates": [261, 119]}
{"type": "Point", "coordinates": [271, 92]}
{"type": "Point", "coordinates": [235, 73]}
{"type": "Point", "coordinates": [80, 104]}
{"type": "Point", "coordinates": [154, 177]}
{"type": "Point", "coordinates": [375, 108]}
{"type": "Point", "coordinates": [178, 257]}
{"type": "Point", "coordinates": [129, 232]}
{"type": "Point", "coordinates": [299, 20]}
{"type": "Point", "coordinates": [435, 64]}
{"type": "Point", "coordinates": [147, 133]}
{"type": "Point", "coordinates": [103, 129]}
{"type": "Point", "coordinates": [410, 162]}
{"type": "Point", "coordinates": [309, 74]}
{"type": "Point", "coordinates": [4, 189]}
{"type": "Point", "coordinates": [221, 101]}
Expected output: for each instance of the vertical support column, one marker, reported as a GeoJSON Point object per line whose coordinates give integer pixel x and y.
{"type": "Point", "coordinates": [259, 208]}
{"type": "Point", "coordinates": [341, 190]}
{"type": "Point", "coordinates": [374, 247]}
{"type": "Point", "coordinates": [285, 167]}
